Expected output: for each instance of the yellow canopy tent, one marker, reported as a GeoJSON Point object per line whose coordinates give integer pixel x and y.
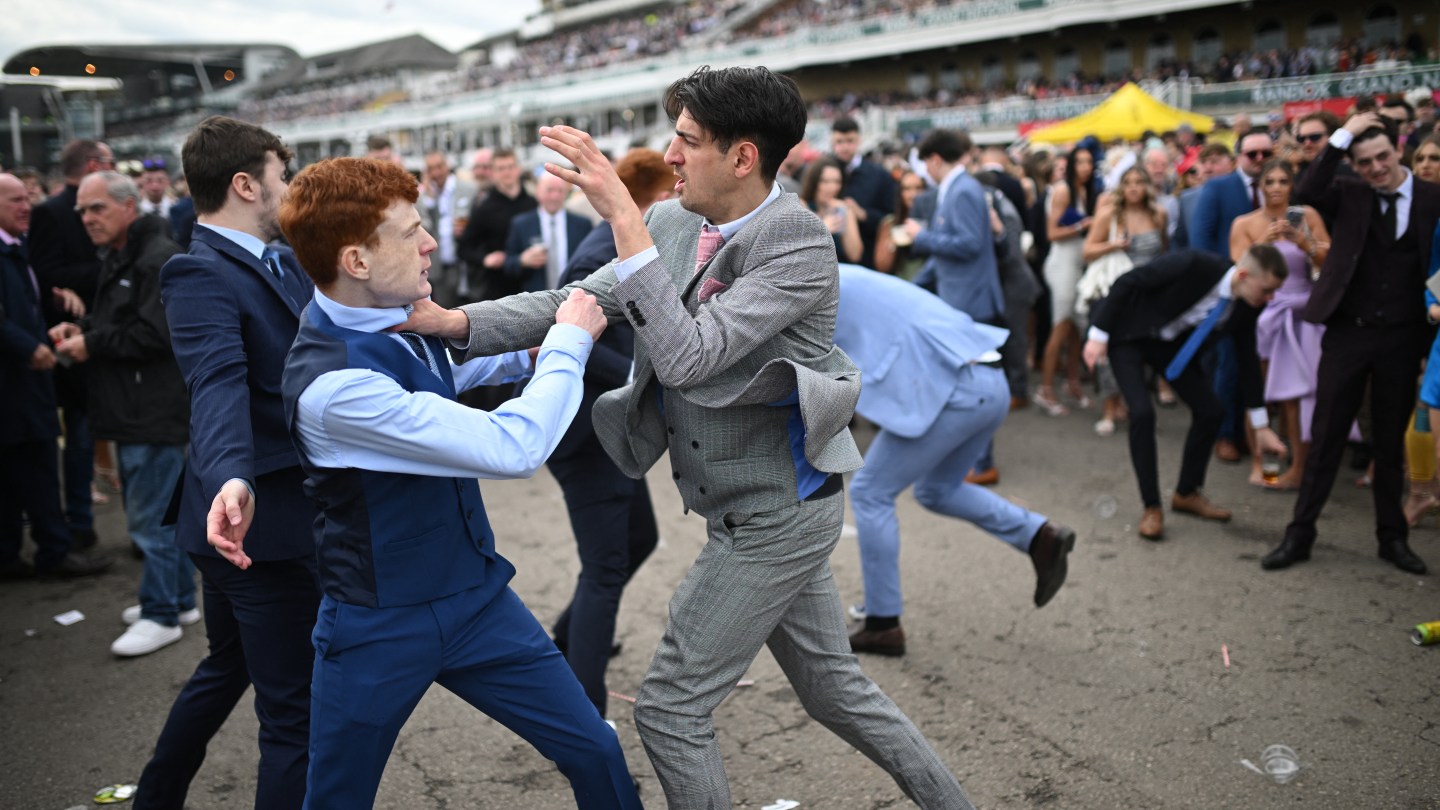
{"type": "Point", "coordinates": [1127, 113]}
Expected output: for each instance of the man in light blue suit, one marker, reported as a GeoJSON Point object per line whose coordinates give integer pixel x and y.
{"type": "Point", "coordinates": [1222, 199]}
{"type": "Point", "coordinates": [958, 238]}
{"type": "Point", "coordinates": [932, 382]}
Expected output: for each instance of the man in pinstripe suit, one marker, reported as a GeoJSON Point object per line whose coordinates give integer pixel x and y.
{"type": "Point", "coordinates": [732, 290]}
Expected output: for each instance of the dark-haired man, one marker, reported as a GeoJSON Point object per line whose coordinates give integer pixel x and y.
{"type": "Point", "coordinates": [1370, 297]}
{"type": "Point", "coordinates": [1162, 316]}
{"type": "Point", "coordinates": [233, 303]}
{"type": "Point", "coordinates": [732, 290]}
{"type": "Point", "coordinates": [869, 190]}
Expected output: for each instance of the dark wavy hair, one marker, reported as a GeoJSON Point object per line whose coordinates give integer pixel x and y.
{"type": "Point", "coordinates": [735, 104]}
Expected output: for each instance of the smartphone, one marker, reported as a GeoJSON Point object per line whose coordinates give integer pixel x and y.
{"type": "Point", "coordinates": [1295, 217]}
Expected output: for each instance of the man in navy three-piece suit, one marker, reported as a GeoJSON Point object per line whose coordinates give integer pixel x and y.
{"type": "Point", "coordinates": [233, 304]}
{"type": "Point", "coordinates": [414, 591]}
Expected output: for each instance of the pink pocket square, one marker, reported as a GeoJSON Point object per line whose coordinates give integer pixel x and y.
{"type": "Point", "coordinates": [710, 287]}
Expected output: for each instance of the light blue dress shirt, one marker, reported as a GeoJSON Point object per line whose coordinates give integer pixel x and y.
{"type": "Point", "coordinates": [360, 418]}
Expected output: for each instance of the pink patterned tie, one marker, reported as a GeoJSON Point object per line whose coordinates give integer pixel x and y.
{"type": "Point", "coordinates": [710, 242]}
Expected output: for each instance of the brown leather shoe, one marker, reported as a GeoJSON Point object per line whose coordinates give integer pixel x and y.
{"type": "Point", "coordinates": [1152, 523]}
{"type": "Point", "coordinates": [880, 642]}
{"type": "Point", "coordinates": [1016, 403]}
{"type": "Point", "coordinates": [1048, 551]}
{"type": "Point", "coordinates": [1226, 451]}
{"type": "Point", "coordinates": [988, 478]}
{"type": "Point", "coordinates": [1198, 505]}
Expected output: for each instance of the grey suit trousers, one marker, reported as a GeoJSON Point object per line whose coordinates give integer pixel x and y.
{"type": "Point", "coordinates": [766, 579]}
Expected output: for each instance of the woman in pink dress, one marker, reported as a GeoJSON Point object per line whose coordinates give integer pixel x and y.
{"type": "Point", "coordinates": [1289, 344]}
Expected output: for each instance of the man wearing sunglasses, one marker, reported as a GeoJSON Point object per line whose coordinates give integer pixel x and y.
{"type": "Point", "coordinates": [1370, 297]}
{"type": "Point", "coordinates": [1312, 132]}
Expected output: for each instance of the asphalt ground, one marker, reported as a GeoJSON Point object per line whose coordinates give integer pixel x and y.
{"type": "Point", "coordinates": [1116, 695]}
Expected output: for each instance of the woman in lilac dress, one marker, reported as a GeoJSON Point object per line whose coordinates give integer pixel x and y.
{"type": "Point", "coordinates": [1289, 344]}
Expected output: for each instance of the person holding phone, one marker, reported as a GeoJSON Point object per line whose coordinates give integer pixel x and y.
{"type": "Point", "coordinates": [820, 189]}
{"type": "Point", "coordinates": [1289, 344]}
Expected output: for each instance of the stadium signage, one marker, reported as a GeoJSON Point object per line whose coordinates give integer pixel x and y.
{"type": "Point", "coordinates": [1314, 88]}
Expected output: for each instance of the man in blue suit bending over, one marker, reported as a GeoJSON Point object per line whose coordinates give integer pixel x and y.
{"type": "Point", "coordinates": [233, 305]}
{"type": "Point", "coordinates": [414, 591]}
{"type": "Point", "coordinates": [933, 383]}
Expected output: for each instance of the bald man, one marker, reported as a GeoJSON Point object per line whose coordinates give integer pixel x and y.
{"type": "Point", "coordinates": [538, 247]}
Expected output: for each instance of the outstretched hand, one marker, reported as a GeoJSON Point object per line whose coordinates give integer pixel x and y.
{"type": "Point", "coordinates": [592, 174]}
{"type": "Point", "coordinates": [229, 519]}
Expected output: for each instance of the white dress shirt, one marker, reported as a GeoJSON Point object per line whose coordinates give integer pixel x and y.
{"type": "Point", "coordinates": [552, 226]}
{"type": "Point", "coordinates": [1341, 139]}
{"type": "Point", "coordinates": [360, 418]}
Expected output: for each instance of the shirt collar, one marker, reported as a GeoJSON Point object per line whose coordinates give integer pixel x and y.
{"type": "Point", "coordinates": [1407, 188]}
{"type": "Point", "coordinates": [854, 162]}
{"type": "Point", "coordinates": [362, 319]}
{"type": "Point", "coordinates": [949, 178]}
{"type": "Point", "coordinates": [729, 229]}
{"type": "Point", "coordinates": [251, 244]}
{"type": "Point", "coordinates": [1227, 290]}
{"type": "Point", "coordinates": [8, 239]}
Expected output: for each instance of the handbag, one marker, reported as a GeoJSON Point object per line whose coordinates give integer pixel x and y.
{"type": "Point", "coordinates": [1100, 274]}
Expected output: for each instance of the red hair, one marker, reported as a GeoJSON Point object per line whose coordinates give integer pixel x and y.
{"type": "Point", "coordinates": [336, 203]}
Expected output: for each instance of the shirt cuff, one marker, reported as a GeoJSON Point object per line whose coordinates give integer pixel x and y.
{"type": "Point", "coordinates": [1098, 335]}
{"type": "Point", "coordinates": [1259, 418]}
{"type": "Point", "coordinates": [627, 267]}
{"type": "Point", "coordinates": [1341, 139]}
{"type": "Point", "coordinates": [570, 339]}
{"type": "Point", "coordinates": [247, 486]}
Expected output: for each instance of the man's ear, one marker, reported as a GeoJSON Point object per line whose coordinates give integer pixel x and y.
{"type": "Point", "coordinates": [746, 158]}
{"type": "Point", "coordinates": [245, 186]}
{"type": "Point", "coordinates": [353, 263]}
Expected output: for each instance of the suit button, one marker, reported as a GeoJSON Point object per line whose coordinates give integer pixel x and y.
{"type": "Point", "coordinates": [695, 445]}
{"type": "Point", "coordinates": [671, 430]}
{"type": "Point", "coordinates": [469, 513]}
{"type": "Point", "coordinates": [702, 490]}
{"type": "Point", "coordinates": [639, 321]}
{"type": "Point", "coordinates": [676, 475]}
{"type": "Point", "coordinates": [630, 304]}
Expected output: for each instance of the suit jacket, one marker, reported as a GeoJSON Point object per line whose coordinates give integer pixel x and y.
{"type": "Point", "coordinates": [1221, 201]}
{"type": "Point", "coordinates": [27, 407]}
{"type": "Point", "coordinates": [1143, 301]}
{"type": "Point", "coordinates": [1349, 202]}
{"type": "Point", "coordinates": [910, 346]}
{"type": "Point", "coordinates": [524, 230]}
{"type": "Point", "coordinates": [766, 337]}
{"type": "Point", "coordinates": [463, 200]}
{"type": "Point", "coordinates": [60, 250]}
{"type": "Point", "coordinates": [961, 248]}
{"type": "Point", "coordinates": [231, 324]}
{"type": "Point", "coordinates": [610, 359]}
{"type": "Point", "coordinates": [1189, 200]}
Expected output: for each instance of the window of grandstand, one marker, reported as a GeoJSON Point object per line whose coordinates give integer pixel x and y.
{"type": "Point", "coordinates": [1067, 62]}
{"type": "Point", "coordinates": [992, 73]}
{"type": "Point", "coordinates": [1269, 35]}
{"type": "Point", "coordinates": [1382, 24]}
{"type": "Point", "coordinates": [1161, 48]}
{"type": "Point", "coordinates": [918, 82]}
{"type": "Point", "coordinates": [1028, 67]}
{"type": "Point", "coordinates": [1323, 30]}
{"type": "Point", "coordinates": [1117, 58]}
{"type": "Point", "coordinates": [950, 78]}
{"type": "Point", "coordinates": [1205, 48]}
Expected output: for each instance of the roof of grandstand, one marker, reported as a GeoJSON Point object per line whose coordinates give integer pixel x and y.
{"type": "Point", "coordinates": [413, 51]}
{"type": "Point", "coordinates": [119, 60]}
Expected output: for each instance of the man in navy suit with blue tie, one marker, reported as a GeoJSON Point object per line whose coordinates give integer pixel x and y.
{"type": "Point", "coordinates": [233, 303]}
{"type": "Point", "coordinates": [414, 591]}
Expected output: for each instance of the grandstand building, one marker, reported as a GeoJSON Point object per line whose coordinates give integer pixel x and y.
{"type": "Point", "coordinates": [995, 67]}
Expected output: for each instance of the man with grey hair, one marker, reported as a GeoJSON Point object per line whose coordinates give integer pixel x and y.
{"type": "Point", "coordinates": [1156, 162]}
{"type": "Point", "coordinates": [137, 395]}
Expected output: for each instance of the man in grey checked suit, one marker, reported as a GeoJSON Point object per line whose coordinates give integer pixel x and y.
{"type": "Point", "coordinates": [738, 377]}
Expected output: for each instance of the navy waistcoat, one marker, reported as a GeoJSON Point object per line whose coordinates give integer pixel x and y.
{"type": "Point", "coordinates": [388, 539]}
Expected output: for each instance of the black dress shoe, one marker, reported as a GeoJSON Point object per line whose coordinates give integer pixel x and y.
{"type": "Point", "coordinates": [16, 569]}
{"type": "Point", "coordinates": [75, 565]}
{"type": "Point", "coordinates": [83, 539]}
{"type": "Point", "coordinates": [881, 642]}
{"type": "Point", "coordinates": [1399, 553]}
{"type": "Point", "coordinates": [1049, 551]}
{"type": "Point", "coordinates": [1285, 555]}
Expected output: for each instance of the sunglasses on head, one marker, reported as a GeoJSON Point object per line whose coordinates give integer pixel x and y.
{"type": "Point", "coordinates": [1259, 154]}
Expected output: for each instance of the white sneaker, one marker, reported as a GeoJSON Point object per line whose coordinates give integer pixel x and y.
{"type": "Point", "coordinates": [857, 612]}
{"type": "Point", "coordinates": [144, 636]}
{"type": "Point", "coordinates": [131, 615]}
